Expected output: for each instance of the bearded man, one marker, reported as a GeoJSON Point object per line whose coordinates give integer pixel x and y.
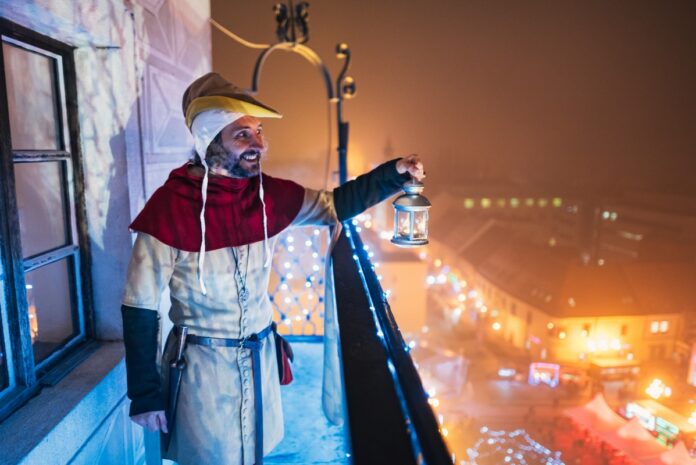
{"type": "Point", "coordinates": [208, 235]}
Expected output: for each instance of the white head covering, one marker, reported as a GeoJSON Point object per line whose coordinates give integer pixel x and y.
{"type": "Point", "coordinates": [205, 127]}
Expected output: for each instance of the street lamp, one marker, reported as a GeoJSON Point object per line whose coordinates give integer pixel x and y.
{"type": "Point", "coordinates": [293, 33]}
{"type": "Point", "coordinates": [411, 216]}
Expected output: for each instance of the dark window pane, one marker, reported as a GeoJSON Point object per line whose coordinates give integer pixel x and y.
{"type": "Point", "coordinates": [51, 316]}
{"type": "Point", "coordinates": [31, 97]}
{"type": "Point", "coordinates": [4, 356]}
{"type": "Point", "coordinates": [4, 380]}
{"type": "Point", "coordinates": [40, 197]}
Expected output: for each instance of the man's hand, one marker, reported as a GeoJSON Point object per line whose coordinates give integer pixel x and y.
{"type": "Point", "coordinates": [411, 164]}
{"type": "Point", "coordinates": [153, 421]}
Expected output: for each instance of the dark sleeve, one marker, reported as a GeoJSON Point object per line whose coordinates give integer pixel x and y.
{"type": "Point", "coordinates": [140, 331]}
{"type": "Point", "coordinates": [356, 196]}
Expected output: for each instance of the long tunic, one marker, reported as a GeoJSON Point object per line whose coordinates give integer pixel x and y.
{"type": "Point", "coordinates": [215, 419]}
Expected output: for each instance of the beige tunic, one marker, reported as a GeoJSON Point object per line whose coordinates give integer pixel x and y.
{"type": "Point", "coordinates": [215, 417]}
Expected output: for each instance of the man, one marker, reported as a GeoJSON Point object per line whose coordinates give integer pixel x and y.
{"type": "Point", "coordinates": [208, 234]}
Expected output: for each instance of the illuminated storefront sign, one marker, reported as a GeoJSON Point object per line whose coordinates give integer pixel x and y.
{"type": "Point", "coordinates": [666, 431]}
{"type": "Point", "coordinates": [664, 422]}
{"type": "Point", "coordinates": [544, 373]}
{"type": "Point", "coordinates": [645, 416]}
{"type": "Point", "coordinates": [614, 369]}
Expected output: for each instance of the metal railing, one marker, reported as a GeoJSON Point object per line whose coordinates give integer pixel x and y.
{"type": "Point", "coordinates": [389, 417]}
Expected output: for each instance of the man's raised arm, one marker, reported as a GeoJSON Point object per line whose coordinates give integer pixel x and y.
{"type": "Point", "coordinates": [356, 196]}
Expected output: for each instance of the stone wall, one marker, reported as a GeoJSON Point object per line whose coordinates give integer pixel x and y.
{"type": "Point", "coordinates": [133, 61]}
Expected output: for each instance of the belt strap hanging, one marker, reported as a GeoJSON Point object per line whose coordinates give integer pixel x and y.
{"type": "Point", "coordinates": [252, 343]}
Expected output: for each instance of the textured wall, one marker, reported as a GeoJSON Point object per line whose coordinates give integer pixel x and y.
{"type": "Point", "coordinates": [133, 61]}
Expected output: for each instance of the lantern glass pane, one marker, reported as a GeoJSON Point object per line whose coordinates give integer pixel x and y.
{"type": "Point", "coordinates": [420, 224]}
{"type": "Point", "coordinates": [403, 224]}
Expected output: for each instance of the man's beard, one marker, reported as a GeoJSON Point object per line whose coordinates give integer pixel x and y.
{"type": "Point", "coordinates": [217, 156]}
{"type": "Point", "coordinates": [235, 167]}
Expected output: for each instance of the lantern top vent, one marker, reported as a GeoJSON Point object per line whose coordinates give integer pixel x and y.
{"type": "Point", "coordinates": [411, 199]}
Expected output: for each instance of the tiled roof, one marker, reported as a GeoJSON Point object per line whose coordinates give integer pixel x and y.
{"type": "Point", "coordinates": [556, 281]}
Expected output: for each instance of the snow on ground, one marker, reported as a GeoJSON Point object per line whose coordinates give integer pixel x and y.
{"type": "Point", "coordinates": [310, 439]}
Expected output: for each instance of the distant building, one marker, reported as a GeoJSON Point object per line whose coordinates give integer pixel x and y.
{"type": "Point", "coordinates": [575, 280]}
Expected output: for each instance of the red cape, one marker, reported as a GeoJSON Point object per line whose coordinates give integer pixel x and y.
{"type": "Point", "coordinates": [233, 214]}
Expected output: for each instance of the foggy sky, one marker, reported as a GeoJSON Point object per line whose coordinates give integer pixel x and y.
{"type": "Point", "coordinates": [550, 93]}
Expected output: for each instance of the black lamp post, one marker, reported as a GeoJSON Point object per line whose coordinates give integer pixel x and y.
{"type": "Point", "coordinates": [293, 32]}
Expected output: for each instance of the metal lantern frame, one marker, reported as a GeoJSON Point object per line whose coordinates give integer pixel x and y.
{"type": "Point", "coordinates": [414, 205]}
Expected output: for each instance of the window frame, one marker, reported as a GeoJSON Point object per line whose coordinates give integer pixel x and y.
{"type": "Point", "coordinates": [25, 377]}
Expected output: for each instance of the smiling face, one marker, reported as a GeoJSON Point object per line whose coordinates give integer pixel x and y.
{"type": "Point", "coordinates": [243, 146]}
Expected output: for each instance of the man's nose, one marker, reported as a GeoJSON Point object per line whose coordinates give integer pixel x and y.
{"type": "Point", "coordinates": [258, 141]}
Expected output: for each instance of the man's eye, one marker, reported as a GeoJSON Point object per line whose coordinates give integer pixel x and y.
{"type": "Point", "coordinates": [241, 135]}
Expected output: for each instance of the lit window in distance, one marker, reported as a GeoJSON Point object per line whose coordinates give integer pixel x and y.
{"type": "Point", "coordinates": [654, 327]}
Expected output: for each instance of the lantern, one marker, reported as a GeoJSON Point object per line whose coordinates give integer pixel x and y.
{"type": "Point", "coordinates": [411, 216]}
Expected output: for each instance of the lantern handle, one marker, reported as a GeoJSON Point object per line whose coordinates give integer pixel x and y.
{"type": "Point", "coordinates": [413, 186]}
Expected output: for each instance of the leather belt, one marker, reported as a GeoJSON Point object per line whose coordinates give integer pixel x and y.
{"type": "Point", "coordinates": [253, 343]}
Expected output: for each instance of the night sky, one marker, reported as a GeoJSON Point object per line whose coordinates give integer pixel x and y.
{"type": "Point", "coordinates": [587, 94]}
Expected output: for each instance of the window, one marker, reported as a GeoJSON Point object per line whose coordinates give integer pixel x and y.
{"type": "Point", "coordinates": [659, 327]}
{"type": "Point", "coordinates": [664, 326]}
{"type": "Point", "coordinates": [41, 285]}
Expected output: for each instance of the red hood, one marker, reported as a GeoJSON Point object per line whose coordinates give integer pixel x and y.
{"type": "Point", "coordinates": [233, 211]}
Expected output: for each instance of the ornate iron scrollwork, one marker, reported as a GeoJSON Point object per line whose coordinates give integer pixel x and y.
{"type": "Point", "coordinates": [293, 32]}
{"type": "Point", "coordinates": [292, 22]}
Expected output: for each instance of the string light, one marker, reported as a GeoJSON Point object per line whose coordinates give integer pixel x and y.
{"type": "Point", "coordinates": [297, 284]}
{"type": "Point", "coordinates": [658, 389]}
{"type": "Point", "coordinates": [514, 448]}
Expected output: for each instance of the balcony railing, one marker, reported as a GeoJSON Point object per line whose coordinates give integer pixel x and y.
{"type": "Point", "coordinates": [389, 418]}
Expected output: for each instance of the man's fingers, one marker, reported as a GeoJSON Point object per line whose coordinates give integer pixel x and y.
{"type": "Point", "coordinates": [162, 420]}
{"type": "Point", "coordinates": [416, 172]}
{"type": "Point", "coordinates": [152, 423]}
{"type": "Point", "coordinates": [416, 167]}
{"type": "Point", "coordinates": [412, 165]}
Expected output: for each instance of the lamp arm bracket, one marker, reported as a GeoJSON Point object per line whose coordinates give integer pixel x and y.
{"type": "Point", "coordinates": [300, 49]}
